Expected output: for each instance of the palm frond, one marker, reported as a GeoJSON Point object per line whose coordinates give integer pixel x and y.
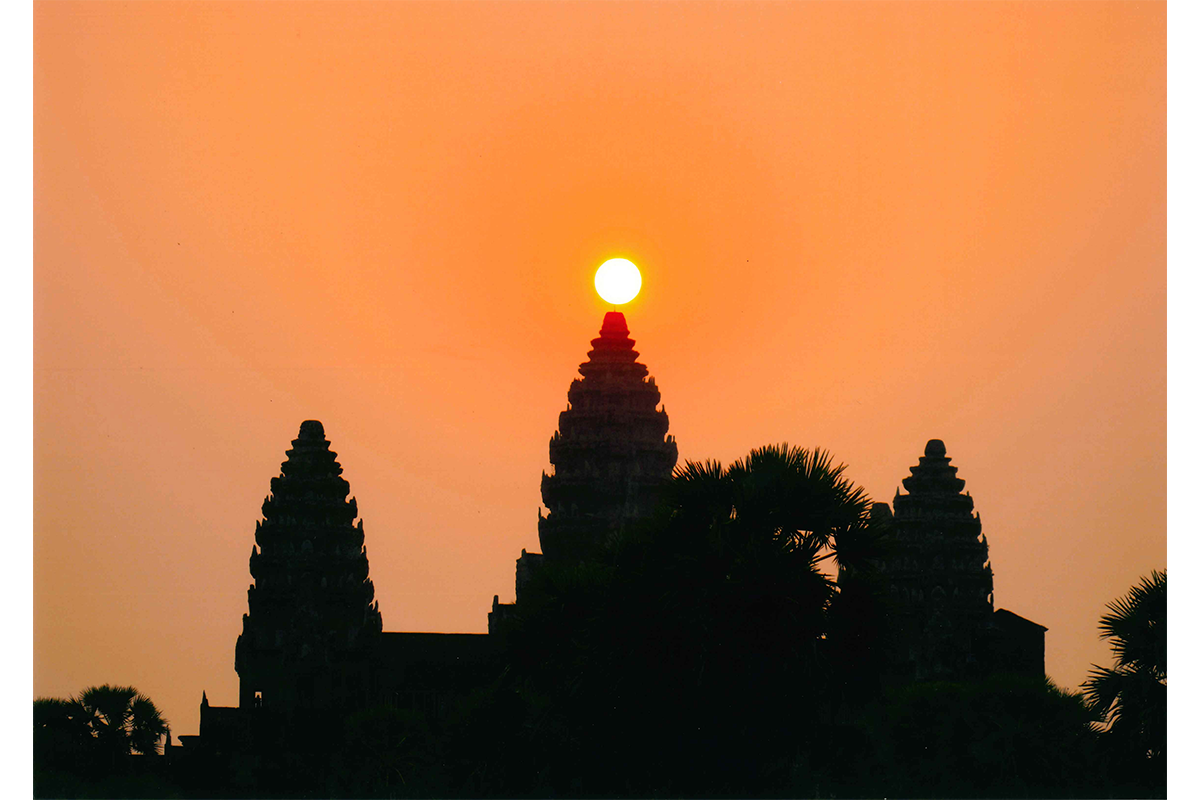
{"type": "Point", "coordinates": [1131, 697]}
{"type": "Point", "coordinates": [146, 726]}
{"type": "Point", "coordinates": [700, 472]}
{"type": "Point", "coordinates": [1137, 624]}
{"type": "Point", "coordinates": [1103, 691]}
{"type": "Point", "coordinates": [856, 545]}
{"type": "Point", "coordinates": [700, 489]}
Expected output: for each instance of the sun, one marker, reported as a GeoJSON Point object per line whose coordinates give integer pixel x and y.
{"type": "Point", "coordinates": [618, 281]}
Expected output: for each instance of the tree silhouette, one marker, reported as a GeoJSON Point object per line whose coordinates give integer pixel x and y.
{"type": "Point", "coordinates": [696, 652]}
{"type": "Point", "coordinates": [1132, 695]}
{"type": "Point", "coordinates": [60, 731]}
{"type": "Point", "coordinates": [82, 745]}
{"type": "Point", "coordinates": [787, 501]}
{"type": "Point", "coordinates": [1000, 736]}
{"type": "Point", "coordinates": [122, 720]}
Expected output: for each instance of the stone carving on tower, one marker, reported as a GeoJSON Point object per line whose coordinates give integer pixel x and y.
{"type": "Point", "coordinates": [313, 619]}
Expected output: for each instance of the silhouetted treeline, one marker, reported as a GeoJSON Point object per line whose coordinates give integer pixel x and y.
{"type": "Point", "coordinates": [85, 746]}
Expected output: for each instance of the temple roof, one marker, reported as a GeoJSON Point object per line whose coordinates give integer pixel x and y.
{"type": "Point", "coordinates": [1005, 618]}
{"type": "Point", "coordinates": [933, 473]}
{"type": "Point", "coordinates": [311, 574]}
{"type": "Point", "coordinates": [612, 353]}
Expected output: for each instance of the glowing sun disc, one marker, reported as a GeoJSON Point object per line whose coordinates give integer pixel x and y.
{"type": "Point", "coordinates": [618, 281]}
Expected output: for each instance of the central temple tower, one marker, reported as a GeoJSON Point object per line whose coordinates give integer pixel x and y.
{"type": "Point", "coordinates": [611, 452]}
{"type": "Point", "coordinates": [610, 458]}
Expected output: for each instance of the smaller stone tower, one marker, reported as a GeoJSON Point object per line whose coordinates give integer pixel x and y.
{"type": "Point", "coordinates": [312, 626]}
{"type": "Point", "coordinates": [938, 575]}
{"type": "Point", "coordinates": [611, 453]}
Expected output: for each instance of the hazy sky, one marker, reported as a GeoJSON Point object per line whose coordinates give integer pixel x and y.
{"type": "Point", "coordinates": [860, 226]}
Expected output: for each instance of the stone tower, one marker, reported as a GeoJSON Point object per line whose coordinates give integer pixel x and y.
{"type": "Point", "coordinates": [610, 458]}
{"type": "Point", "coordinates": [611, 452]}
{"type": "Point", "coordinates": [313, 623]}
{"type": "Point", "coordinates": [937, 574]}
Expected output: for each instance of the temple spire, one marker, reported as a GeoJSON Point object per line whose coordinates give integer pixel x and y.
{"type": "Point", "coordinates": [937, 569]}
{"type": "Point", "coordinates": [312, 603]}
{"type": "Point", "coordinates": [611, 458]}
{"type": "Point", "coordinates": [611, 453]}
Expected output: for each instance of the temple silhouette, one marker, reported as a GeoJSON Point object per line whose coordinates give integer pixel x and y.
{"type": "Point", "coordinates": [610, 458]}
{"type": "Point", "coordinates": [313, 637]}
{"type": "Point", "coordinates": [313, 645]}
{"type": "Point", "coordinates": [939, 582]}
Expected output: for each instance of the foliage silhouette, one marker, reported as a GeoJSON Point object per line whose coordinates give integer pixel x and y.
{"type": "Point", "coordinates": [702, 636]}
{"type": "Point", "coordinates": [1002, 736]}
{"type": "Point", "coordinates": [82, 745]}
{"type": "Point", "coordinates": [122, 720]}
{"type": "Point", "coordinates": [1131, 697]}
{"type": "Point", "coordinates": [388, 752]}
{"type": "Point", "coordinates": [60, 731]}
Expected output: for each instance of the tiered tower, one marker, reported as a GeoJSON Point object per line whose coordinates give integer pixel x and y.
{"type": "Point", "coordinates": [312, 626]}
{"type": "Point", "coordinates": [611, 454]}
{"type": "Point", "coordinates": [938, 575]}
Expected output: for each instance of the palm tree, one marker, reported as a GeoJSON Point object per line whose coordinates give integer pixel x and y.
{"type": "Point", "coordinates": [789, 501]}
{"type": "Point", "coordinates": [60, 730]}
{"type": "Point", "coordinates": [122, 719]}
{"type": "Point", "coordinates": [700, 638]}
{"type": "Point", "coordinates": [769, 521]}
{"type": "Point", "coordinates": [1131, 697]}
{"type": "Point", "coordinates": [742, 587]}
{"type": "Point", "coordinates": [82, 745]}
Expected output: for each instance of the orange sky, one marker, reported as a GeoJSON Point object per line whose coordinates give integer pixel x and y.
{"type": "Point", "coordinates": [860, 226]}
